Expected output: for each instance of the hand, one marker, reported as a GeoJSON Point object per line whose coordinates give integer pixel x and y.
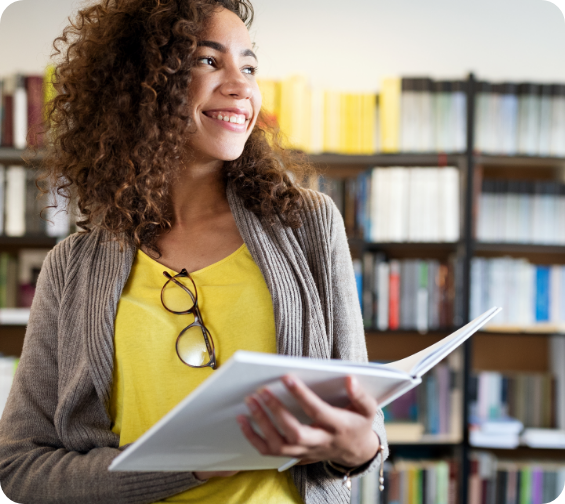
{"type": "Point", "coordinates": [204, 475]}
{"type": "Point", "coordinates": [344, 436]}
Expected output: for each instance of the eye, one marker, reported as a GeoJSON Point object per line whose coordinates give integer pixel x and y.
{"type": "Point", "coordinates": [206, 60]}
{"type": "Point", "coordinates": [251, 70]}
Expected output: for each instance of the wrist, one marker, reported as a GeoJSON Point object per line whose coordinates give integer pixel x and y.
{"type": "Point", "coordinates": [369, 451]}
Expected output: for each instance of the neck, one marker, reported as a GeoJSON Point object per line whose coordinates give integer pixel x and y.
{"type": "Point", "coordinates": [198, 192]}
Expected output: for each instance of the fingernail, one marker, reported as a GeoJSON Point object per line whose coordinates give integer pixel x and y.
{"type": "Point", "coordinates": [288, 381]}
{"type": "Point", "coordinates": [265, 395]}
{"type": "Point", "coordinates": [251, 404]}
{"type": "Point", "coordinates": [354, 383]}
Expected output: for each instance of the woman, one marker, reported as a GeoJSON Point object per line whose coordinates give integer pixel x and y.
{"type": "Point", "coordinates": [154, 133]}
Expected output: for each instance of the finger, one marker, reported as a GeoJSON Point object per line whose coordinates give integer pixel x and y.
{"type": "Point", "coordinates": [317, 409]}
{"type": "Point", "coordinates": [257, 441]}
{"type": "Point", "coordinates": [294, 432]}
{"type": "Point", "coordinates": [271, 435]}
{"type": "Point", "coordinates": [362, 402]}
{"type": "Point", "coordinates": [285, 420]}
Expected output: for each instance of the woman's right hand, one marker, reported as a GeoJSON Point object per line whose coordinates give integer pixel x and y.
{"type": "Point", "coordinates": [204, 475]}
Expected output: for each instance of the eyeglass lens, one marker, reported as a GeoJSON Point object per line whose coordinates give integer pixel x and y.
{"type": "Point", "coordinates": [191, 346]}
{"type": "Point", "coordinates": [175, 298]}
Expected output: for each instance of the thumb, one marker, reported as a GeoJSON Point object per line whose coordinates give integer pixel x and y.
{"type": "Point", "coordinates": [361, 401]}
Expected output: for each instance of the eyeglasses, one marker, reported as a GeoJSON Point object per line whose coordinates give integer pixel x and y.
{"type": "Point", "coordinates": [194, 346]}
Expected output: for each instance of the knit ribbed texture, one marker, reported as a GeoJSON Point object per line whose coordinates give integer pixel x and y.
{"type": "Point", "coordinates": [56, 441]}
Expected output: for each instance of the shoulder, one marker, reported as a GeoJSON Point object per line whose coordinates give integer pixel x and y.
{"type": "Point", "coordinates": [321, 215]}
{"type": "Point", "coordinates": [69, 254]}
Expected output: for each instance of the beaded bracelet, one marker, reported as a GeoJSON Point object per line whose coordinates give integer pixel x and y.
{"type": "Point", "coordinates": [347, 472]}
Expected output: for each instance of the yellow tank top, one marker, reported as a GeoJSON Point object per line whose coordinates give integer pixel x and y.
{"type": "Point", "coordinates": [149, 378]}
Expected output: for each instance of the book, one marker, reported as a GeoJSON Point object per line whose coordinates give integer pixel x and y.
{"type": "Point", "coordinates": [202, 431]}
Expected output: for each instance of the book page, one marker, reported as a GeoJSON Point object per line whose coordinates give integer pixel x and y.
{"type": "Point", "coordinates": [421, 362]}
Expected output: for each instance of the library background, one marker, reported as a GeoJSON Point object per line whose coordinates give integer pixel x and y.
{"type": "Point", "coordinates": [453, 195]}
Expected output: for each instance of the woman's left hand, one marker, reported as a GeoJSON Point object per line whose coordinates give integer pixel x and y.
{"type": "Point", "coordinates": [342, 435]}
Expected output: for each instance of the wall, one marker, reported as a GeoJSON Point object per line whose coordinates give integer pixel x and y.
{"type": "Point", "coordinates": [352, 44]}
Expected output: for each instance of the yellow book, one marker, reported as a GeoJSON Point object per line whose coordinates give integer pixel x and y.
{"type": "Point", "coordinates": [390, 114]}
{"type": "Point", "coordinates": [345, 123]}
{"type": "Point", "coordinates": [332, 120]}
{"type": "Point", "coordinates": [295, 107]}
{"type": "Point", "coordinates": [368, 110]}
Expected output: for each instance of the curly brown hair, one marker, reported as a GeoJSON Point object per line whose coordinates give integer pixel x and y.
{"type": "Point", "coordinates": [118, 124]}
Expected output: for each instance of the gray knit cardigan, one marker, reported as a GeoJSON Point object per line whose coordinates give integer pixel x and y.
{"type": "Point", "coordinates": [56, 441]}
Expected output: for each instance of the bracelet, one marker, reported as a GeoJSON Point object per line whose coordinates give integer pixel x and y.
{"type": "Point", "coordinates": [347, 471]}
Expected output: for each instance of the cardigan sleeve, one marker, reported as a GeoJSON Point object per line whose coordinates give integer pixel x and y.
{"type": "Point", "coordinates": [348, 331]}
{"type": "Point", "coordinates": [35, 467]}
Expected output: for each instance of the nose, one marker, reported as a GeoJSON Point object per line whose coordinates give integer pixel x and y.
{"type": "Point", "coordinates": [236, 85]}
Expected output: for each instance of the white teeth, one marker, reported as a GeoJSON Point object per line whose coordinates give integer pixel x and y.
{"type": "Point", "coordinates": [233, 119]}
{"type": "Point", "coordinates": [226, 119]}
{"type": "Point", "coordinates": [220, 117]}
{"type": "Point", "coordinates": [240, 120]}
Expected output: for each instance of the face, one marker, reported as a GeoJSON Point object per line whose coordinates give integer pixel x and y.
{"type": "Point", "coordinates": [224, 95]}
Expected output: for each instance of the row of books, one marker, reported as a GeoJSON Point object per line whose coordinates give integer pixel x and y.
{"type": "Point", "coordinates": [528, 397]}
{"type": "Point", "coordinates": [433, 407]}
{"type": "Point", "coordinates": [22, 99]}
{"type": "Point", "coordinates": [20, 206]}
{"type": "Point", "coordinates": [316, 120]}
{"type": "Point", "coordinates": [18, 277]}
{"type": "Point", "coordinates": [422, 115]}
{"type": "Point", "coordinates": [409, 204]}
{"type": "Point", "coordinates": [499, 481]}
{"type": "Point", "coordinates": [528, 293]}
{"type": "Point", "coordinates": [407, 294]}
{"type": "Point", "coordinates": [409, 482]}
{"type": "Point", "coordinates": [8, 367]}
{"type": "Point", "coordinates": [522, 118]}
{"type": "Point", "coordinates": [520, 211]}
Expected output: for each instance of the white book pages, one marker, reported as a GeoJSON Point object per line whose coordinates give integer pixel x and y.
{"type": "Point", "coordinates": [529, 124]}
{"type": "Point", "coordinates": [524, 217]}
{"type": "Point", "coordinates": [15, 201]}
{"type": "Point", "coordinates": [427, 140]}
{"type": "Point", "coordinates": [202, 433]}
{"type": "Point", "coordinates": [513, 209]}
{"type": "Point", "coordinates": [494, 140]}
{"type": "Point", "coordinates": [421, 362]}
{"type": "Point", "coordinates": [407, 121]}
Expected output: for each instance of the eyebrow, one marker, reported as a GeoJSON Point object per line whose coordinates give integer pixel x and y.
{"type": "Point", "coordinates": [222, 48]}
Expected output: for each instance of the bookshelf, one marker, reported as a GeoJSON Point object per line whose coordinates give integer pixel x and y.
{"type": "Point", "coordinates": [488, 350]}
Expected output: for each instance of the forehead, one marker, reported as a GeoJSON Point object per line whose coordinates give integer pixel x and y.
{"type": "Point", "coordinates": [225, 27]}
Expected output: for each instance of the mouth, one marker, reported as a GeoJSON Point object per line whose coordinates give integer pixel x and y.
{"type": "Point", "coordinates": [229, 116]}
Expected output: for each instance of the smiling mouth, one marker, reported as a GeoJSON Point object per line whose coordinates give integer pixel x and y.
{"type": "Point", "coordinates": [227, 117]}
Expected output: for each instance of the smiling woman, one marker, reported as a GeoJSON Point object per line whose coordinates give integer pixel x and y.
{"type": "Point", "coordinates": [198, 240]}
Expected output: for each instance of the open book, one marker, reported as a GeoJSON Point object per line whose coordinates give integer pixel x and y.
{"type": "Point", "coordinates": [202, 433]}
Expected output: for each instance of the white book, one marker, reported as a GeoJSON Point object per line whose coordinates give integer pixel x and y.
{"type": "Point", "coordinates": [460, 120]}
{"type": "Point", "coordinates": [433, 212]}
{"type": "Point", "coordinates": [415, 205]}
{"type": "Point", "coordinates": [543, 438]}
{"type": "Point", "coordinates": [398, 204]}
{"type": "Point", "coordinates": [557, 131]}
{"type": "Point", "coordinates": [20, 113]}
{"type": "Point", "coordinates": [449, 204]}
{"type": "Point", "coordinates": [15, 201]}
{"type": "Point", "coordinates": [546, 102]}
{"type": "Point", "coordinates": [201, 433]}
{"type": "Point", "coordinates": [383, 272]}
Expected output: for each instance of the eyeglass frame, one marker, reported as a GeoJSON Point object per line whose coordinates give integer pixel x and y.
{"type": "Point", "coordinates": [198, 321]}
